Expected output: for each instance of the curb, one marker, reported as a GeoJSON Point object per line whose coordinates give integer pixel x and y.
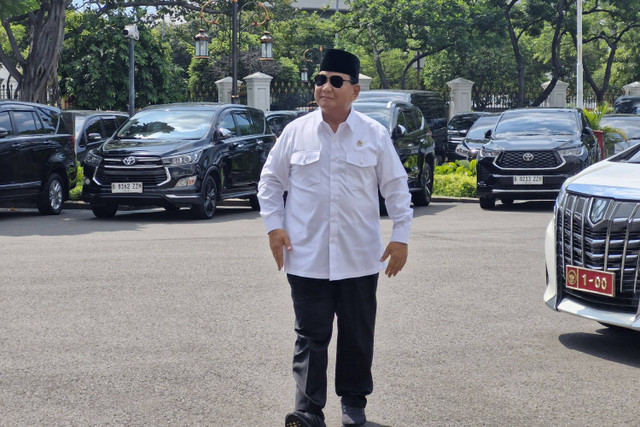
{"type": "Point", "coordinates": [79, 204]}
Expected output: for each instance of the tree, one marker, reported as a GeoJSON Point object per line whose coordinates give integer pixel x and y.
{"type": "Point", "coordinates": [420, 27]}
{"type": "Point", "coordinates": [39, 67]}
{"type": "Point", "coordinates": [94, 72]}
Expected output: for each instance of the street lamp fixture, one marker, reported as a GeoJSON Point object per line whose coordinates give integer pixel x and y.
{"type": "Point", "coordinates": [304, 71]}
{"type": "Point", "coordinates": [266, 44]}
{"type": "Point", "coordinates": [202, 45]}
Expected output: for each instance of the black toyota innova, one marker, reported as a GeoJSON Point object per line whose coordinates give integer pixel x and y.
{"type": "Point", "coordinates": [179, 155]}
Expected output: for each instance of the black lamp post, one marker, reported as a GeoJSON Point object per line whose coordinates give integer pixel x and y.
{"type": "Point", "coordinates": [266, 43]}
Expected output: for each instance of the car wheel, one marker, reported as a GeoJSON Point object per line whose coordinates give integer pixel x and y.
{"type": "Point", "coordinates": [423, 196]}
{"type": "Point", "coordinates": [209, 200]}
{"type": "Point", "coordinates": [52, 196]}
{"type": "Point", "coordinates": [104, 211]}
{"type": "Point", "coordinates": [487, 202]}
{"type": "Point", "coordinates": [254, 203]}
{"type": "Point", "coordinates": [439, 159]}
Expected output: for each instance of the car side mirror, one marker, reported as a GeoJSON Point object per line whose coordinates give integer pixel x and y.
{"type": "Point", "coordinates": [399, 130]}
{"type": "Point", "coordinates": [93, 137]}
{"type": "Point", "coordinates": [587, 131]}
{"type": "Point", "coordinates": [3, 132]}
{"type": "Point", "coordinates": [222, 134]}
{"type": "Point", "coordinates": [487, 134]}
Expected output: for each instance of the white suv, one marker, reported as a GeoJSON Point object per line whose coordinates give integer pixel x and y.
{"type": "Point", "coordinates": [592, 244]}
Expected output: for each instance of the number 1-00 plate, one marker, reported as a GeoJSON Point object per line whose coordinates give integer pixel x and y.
{"type": "Point", "coordinates": [594, 281]}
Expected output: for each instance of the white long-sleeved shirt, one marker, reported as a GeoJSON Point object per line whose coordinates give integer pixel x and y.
{"type": "Point", "coordinates": [332, 207]}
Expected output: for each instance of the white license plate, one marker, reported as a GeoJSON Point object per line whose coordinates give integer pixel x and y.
{"type": "Point", "coordinates": [527, 180]}
{"type": "Point", "coordinates": [126, 187]}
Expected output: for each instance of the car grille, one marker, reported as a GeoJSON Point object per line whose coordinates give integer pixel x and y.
{"type": "Point", "coordinates": [148, 170]}
{"type": "Point", "coordinates": [538, 160]}
{"type": "Point", "coordinates": [601, 234]}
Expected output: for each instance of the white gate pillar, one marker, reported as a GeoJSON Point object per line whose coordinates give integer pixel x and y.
{"type": "Point", "coordinates": [632, 88]}
{"type": "Point", "coordinates": [365, 82]}
{"type": "Point", "coordinates": [224, 89]}
{"type": "Point", "coordinates": [259, 91]}
{"type": "Point", "coordinates": [460, 101]}
{"type": "Point", "coordinates": [558, 96]}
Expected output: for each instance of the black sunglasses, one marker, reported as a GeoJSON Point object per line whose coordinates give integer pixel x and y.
{"type": "Point", "coordinates": [336, 81]}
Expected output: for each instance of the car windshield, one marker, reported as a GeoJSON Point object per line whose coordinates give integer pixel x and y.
{"type": "Point", "coordinates": [629, 125]}
{"type": "Point", "coordinates": [379, 114]}
{"type": "Point", "coordinates": [537, 123]}
{"type": "Point", "coordinates": [168, 124]}
{"type": "Point", "coordinates": [481, 126]}
{"type": "Point", "coordinates": [462, 122]}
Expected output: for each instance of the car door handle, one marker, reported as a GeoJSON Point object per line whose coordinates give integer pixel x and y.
{"type": "Point", "coordinates": [16, 146]}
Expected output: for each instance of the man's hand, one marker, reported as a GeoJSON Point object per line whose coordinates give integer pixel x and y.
{"type": "Point", "coordinates": [279, 239]}
{"type": "Point", "coordinates": [398, 252]}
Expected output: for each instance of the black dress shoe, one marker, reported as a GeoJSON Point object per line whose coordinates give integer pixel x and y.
{"type": "Point", "coordinates": [303, 419]}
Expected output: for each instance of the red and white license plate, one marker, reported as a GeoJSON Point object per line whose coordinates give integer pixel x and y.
{"type": "Point", "coordinates": [588, 280]}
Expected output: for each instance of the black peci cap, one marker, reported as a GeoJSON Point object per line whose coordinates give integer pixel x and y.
{"type": "Point", "coordinates": [341, 61]}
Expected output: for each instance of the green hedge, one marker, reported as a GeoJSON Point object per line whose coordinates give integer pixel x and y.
{"type": "Point", "coordinates": [76, 192]}
{"type": "Point", "coordinates": [455, 179]}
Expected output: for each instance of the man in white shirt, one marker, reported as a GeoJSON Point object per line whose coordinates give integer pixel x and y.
{"type": "Point", "coordinates": [332, 163]}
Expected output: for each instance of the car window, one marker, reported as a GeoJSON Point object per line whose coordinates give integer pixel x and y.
{"type": "Point", "coordinates": [537, 123]}
{"type": "Point", "coordinates": [167, 124]}
{"type": "Point", "coordinates": [26, 123]}
{"type": "Point", "coordinates": [94, 127]}
{"type": "Point", "coordinates": [110, 126]}
{"type": "Point", "coordinates": [244, 123]}
{"type": "Point", "coordinates": [462, 122]}
{"type": "Point", "coordinates": [227, 123]}
{"type": "Point", "coordinates": [49, 120]}
{"type": "Point", "coordinates": [481, 126]}
{"type": "Point", "coordinates": [257, 122]}
{"type": "Point", "coordinates": [402, 120]}
{"type": "Point", "coordinates": [409, 120]}
{"type": "Point", "coordinates": [5, 122]}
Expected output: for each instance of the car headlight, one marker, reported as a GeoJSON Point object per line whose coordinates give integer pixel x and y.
{"type": "Point", "coordinates": [578, 151]}
{"type": "Point", "coordinates": [182, 159]}
{"type": "Point", "coordinates": [487, 152]}
{"type": "Point", "coordinates": [92, 159]}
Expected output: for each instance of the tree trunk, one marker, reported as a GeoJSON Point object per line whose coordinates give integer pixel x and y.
{"type": "Point", "coordinates": [376, 53]}
{"type": "Point", "coordinates": [46, 45]}
{"type": "Point", "coordinates": [518, 58]}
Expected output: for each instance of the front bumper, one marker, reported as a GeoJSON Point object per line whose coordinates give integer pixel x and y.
{"type": "Point", "coordinates": [556, 300]}
{"type": "Point", "coordinates": [170, 197]}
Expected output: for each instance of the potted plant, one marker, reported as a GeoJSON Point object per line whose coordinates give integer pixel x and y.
{"type": "Point", "coordinates": [594, 117]}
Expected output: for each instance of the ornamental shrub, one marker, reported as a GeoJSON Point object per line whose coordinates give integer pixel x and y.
{"type": "Point", "coordinates": [455, 179]}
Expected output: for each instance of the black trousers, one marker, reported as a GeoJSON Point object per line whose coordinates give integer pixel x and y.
{"type": "Point", "coordinates": [316, 302]}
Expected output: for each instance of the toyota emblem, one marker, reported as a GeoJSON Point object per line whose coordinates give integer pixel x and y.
{"type": "Point", "coordinates": [527, 157]}
{"type": "Point", "coordinates": [129, 160]}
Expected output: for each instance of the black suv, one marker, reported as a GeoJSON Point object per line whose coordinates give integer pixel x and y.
{"type": "Point", "coordinates": [430, 103]}
{"type": "Point", "coordinates": [92, 128]}
{"type": "Point", "coordinates": [37, 157]}
{"type": "Point", "coordinates": [411, 140]}
{"type": "Point", "coordinates": [457, 130]}
{"type": "Point", "coordinates": [179, 155]}
{"type": "Point", "coordinates": [531, 152]}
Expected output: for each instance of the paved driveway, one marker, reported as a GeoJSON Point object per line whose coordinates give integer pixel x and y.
{"type": "Point", "coordinates": [150, 319]}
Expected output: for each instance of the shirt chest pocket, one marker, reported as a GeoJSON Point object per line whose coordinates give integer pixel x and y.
{"type": "Point", "coordinates": [305, 168]}
{"type": "Point", "coordinates": [361, 171]}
